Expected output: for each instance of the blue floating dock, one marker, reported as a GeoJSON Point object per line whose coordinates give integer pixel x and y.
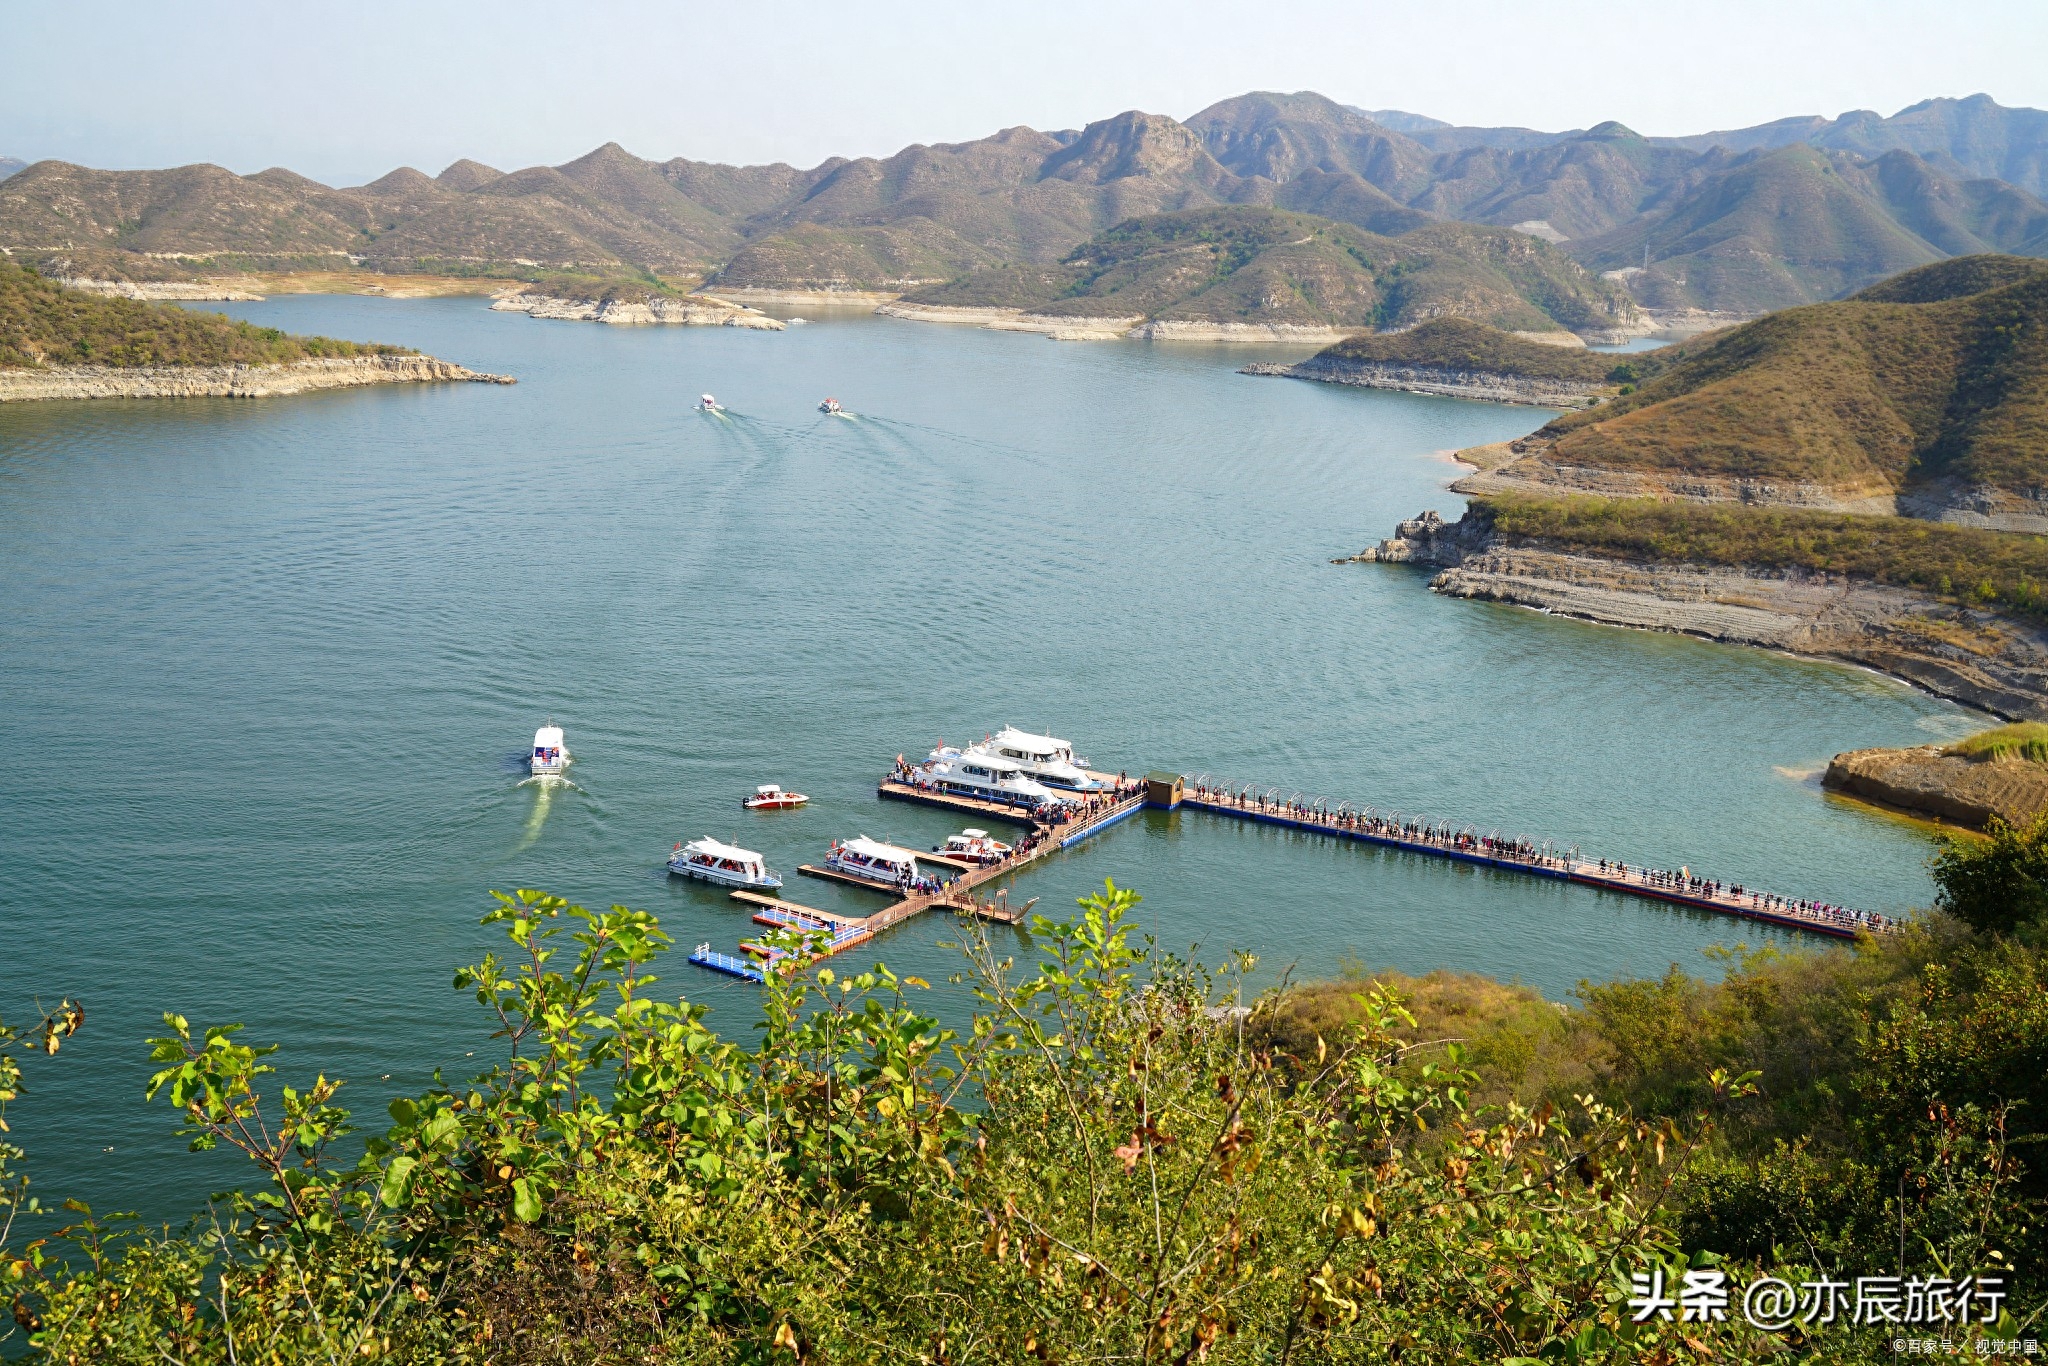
{"type": "Point", "coordinates": [729, 964]}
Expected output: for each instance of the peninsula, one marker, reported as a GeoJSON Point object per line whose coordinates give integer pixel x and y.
{"type": "Point", "coordinates": [60, 342]}
{"type": "Point", "coordinates": [1456, 358]}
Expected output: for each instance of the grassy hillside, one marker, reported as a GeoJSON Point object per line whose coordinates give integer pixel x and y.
{"type": "Point", "coordinates": [1861, 393]}
{"type": "Point", "coordinates": [1938, 557]}
{"type": "Point", "coordinates": [43, 323]}
{"type": "Point", "coordinates": [1255, 264]}
{"type": "Point", "coordinates": [1454, 343]}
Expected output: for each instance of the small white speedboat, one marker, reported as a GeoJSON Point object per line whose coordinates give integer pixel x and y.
{"type": "Point", "coordinates": [885, 865]}
{"type": "Point", "coordinates": [550, 754]}
{"type": "Point", "coordinates": [726, 864]}
{"type": "Point", "coordinates": [973, 846]}
{"type": "Point", "coordinates": [830, 408]}
{"type": "Point", "coordinates": [771, 797]}
{"type": "Point", "coordinates": [708, 404]}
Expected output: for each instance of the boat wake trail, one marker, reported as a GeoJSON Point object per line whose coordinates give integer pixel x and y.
{"type": "Point", "coordinates": [545, 786]}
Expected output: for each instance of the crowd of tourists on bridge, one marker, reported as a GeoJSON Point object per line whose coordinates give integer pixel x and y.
{"type": "Point", "coordinates": [1520, 850]}
{"type": "Point", "coordinates": [1393, 827]}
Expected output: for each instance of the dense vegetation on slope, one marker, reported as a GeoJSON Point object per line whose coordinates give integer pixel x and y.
{"type": "Point", "coordinates": [1939, 557]}
{"type": "Point", "coordinates": [1862, 394]}
{"type": "Point", "coordinates": [1244, 264]}
{"type": "Point", "coordinates": [1444, 1169]}
{"type": "Point", "coordinates": [42, 323]}
{"type": "Point", "coordinates": [1455, 344]}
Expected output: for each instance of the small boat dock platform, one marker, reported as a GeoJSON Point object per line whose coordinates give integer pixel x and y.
{"type": "Point", "coordinates": [837, 933]}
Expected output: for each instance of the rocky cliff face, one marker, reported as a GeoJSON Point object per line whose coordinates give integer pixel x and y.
{"type": "Point", "coordinates": [696, 310]}
{"type": "Point", "coordinates": [1982, 658]}
{"type": "Point", "coordinates": [1951, 787]}
{"type": "Point", "coordinates": [1443, 380]}
{"type": "Point", "coordinates": [230, 381]}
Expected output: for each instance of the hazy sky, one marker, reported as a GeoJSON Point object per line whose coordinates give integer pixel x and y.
{"type": "Point", "coordinates": [344, 93]}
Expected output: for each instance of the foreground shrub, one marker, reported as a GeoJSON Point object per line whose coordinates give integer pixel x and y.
{"type": "Point", "coordinates": [1118, 1160]}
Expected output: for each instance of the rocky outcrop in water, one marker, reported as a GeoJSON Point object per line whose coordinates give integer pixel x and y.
{"type": "Point", "coordinates": [695, 310]}
{"type": "Point", "coordinates": [230, 381]}
{"type": "Point", "coordinates": [1953, 787]}
{"type": "Point", "coordinates": [1440, 380]}
{"type": "Point", "coordinates": [1977, 656]}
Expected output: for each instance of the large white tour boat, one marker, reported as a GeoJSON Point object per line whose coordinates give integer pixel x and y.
{"type": "Point", "coordinates": [885, 865]}
{"type": "Point", "coordinates": [977, 773]}
{"type": "Point", "coordinates": [1050, 761]}
{"type": "Point", "coordinates": [550, 754]}
{"type": "Point", "coordinates": [726, 864]}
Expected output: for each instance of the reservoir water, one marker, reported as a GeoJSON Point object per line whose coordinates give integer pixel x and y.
{"type": "Point", "coordinates": [269, 666]}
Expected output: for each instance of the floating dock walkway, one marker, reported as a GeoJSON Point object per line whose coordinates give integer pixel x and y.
{"type": "Point", "coordinates": [956, 894]}
{"type": "Point", "coordinates": [1516, 855]}
{"type": "Point", "coordinates": [1266, 806]}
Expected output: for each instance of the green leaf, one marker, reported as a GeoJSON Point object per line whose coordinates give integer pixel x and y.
{"type": "Point", "coordinates": [397, 1182]}
{"type": "Point", "coordinates": [525, 1200]}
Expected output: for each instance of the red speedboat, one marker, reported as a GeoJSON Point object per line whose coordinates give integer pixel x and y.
{"type": "Point", "coordinates": [771, 797]}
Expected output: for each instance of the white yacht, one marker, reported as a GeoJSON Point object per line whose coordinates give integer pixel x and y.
{"type": "Point", "coordinates": [726, 864]}
{"type": "Point", "coordinates": [1050, 761]}
{"type": "Point", "coordinates": [978, 773]}
{"type": "Point", "coordinates": [885, 865]}
{"type": "Point", "coordinates": [550, 755]}
{"type": "Point", "coordinates": [973, 846]}
{"type": "Point", "coordinates": [830, 408]}
{"type": "Point", "coordinates": [708, 404]}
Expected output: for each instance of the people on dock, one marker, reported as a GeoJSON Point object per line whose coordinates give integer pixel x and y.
{"type": "Point", "coordinates": [1401, 831]}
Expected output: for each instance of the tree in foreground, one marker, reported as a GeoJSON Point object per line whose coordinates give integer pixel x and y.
{"type": "Point", "coordinates": [1107, 1165]}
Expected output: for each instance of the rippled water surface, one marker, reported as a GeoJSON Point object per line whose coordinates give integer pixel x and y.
{"type": "Point", "coordinates": [269, 666]}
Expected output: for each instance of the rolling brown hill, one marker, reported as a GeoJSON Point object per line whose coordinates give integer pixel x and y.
{"type": "Point", "coordinates": [1927, 396]}
{"type": "Point", "coordinates": [1247, 264]}
{"type": "Point", "coordinates": [1731, 223]}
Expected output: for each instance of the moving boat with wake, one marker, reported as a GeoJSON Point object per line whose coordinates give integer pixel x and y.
{"type": "Point", "coordinates": [830, 408]}
{"type": "Point", "coordinates": [550, 757]}
{"type": "Point", "coordinates": [708, 404]}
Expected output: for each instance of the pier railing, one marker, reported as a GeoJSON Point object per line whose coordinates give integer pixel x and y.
{"type": "Point", "coordinates": [1522, 853]}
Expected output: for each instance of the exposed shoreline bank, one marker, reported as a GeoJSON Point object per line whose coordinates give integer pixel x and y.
{"type": "Point", "coordinates": [694, 310]}
{"type": "Point", "coordinates": [231, 381]}
{"type": "Point", "coordinates": [1441, 381]}
{"type": "Point", "coordinates": [1983, 658]}
{"type": "Point", "coordinates": [1931, 782]}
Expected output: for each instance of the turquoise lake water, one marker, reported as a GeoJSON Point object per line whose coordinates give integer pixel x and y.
{"type": "Point", "coordinates": [269, 668]}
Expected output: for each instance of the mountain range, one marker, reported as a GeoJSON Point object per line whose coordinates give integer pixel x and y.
{"type": "Point", "coordinates": [1735, 222]}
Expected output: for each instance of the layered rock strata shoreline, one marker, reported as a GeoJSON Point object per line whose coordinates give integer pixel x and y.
{"type": "Point", "coordinates": [1062, 327]}
{"type": "Point", "coordinates": [1531, 467]}
{"type": "Point", "coordinates": [695, 310]}
{"type": "Point", "coordinates": [231, 381]}
{"type": "Point", "coordinates": [1982, 658]}
{"type": "Point", "coordinates": [1443, 381]}
{"type": "Point", "coordinates": [187, 291]}
{"type": "Point", "coordinates": [1929, 781]}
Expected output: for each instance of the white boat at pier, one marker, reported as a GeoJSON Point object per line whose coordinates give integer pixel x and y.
{"type": "Point", "coordinates": [725, 864]}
